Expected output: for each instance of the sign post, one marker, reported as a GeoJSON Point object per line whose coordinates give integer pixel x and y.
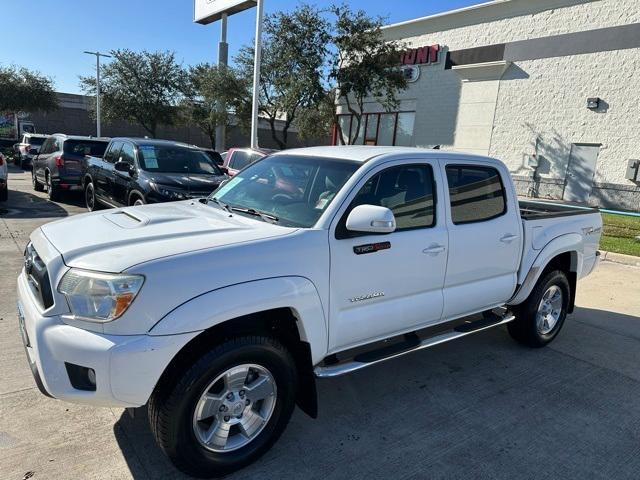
{"type": "Point", "coordinates": [208, 11]}
{"type": "Point", "coordinates": [256, 76]}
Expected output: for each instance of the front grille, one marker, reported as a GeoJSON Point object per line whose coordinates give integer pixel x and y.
{"type": "Point", "coordinates": [38, 276]}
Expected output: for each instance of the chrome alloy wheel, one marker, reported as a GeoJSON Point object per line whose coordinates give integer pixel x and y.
{"type": "Point", "coordinates": [549, 310]}
{"type": "Point", "coordinates": [235, 408]}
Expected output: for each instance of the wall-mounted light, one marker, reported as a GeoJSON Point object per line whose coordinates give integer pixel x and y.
{"type": "Point", "coordinates": [593, 103]}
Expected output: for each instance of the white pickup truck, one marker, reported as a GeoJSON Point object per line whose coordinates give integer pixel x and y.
{"type": "Point", "coordinates": [220, 313]}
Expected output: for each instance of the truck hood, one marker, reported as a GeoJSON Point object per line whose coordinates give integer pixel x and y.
{"type": "Point", "coordinates": [117, 239]}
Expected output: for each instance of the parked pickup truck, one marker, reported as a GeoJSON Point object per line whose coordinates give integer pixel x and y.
{"type": "Point", "coordinates": [221, 312]}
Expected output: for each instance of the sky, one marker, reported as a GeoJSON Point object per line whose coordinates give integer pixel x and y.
{"type": "Point", "coordinates": [51, 35]}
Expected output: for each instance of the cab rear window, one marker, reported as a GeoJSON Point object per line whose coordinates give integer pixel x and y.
{"type": "Point", "coordinates": [85, 147]}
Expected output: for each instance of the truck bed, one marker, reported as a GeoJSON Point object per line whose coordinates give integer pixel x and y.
{"type": "Point", "coordinates": [536, 210]}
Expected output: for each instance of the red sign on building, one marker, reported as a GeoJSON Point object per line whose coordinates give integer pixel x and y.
{"type": "Point", "coordinates": [421, 56]}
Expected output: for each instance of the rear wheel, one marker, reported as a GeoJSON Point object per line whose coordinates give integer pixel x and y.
{"type": "Point", "coordinates": [37, 186]}
{"type": "Point", "coordinates": [540, 317]}
{"type": "Point", "coordinates": [90, 199]}
{"type": "Point", "coordinates": [4, 194]}
{"type": "Point", "coordinates": [53, 191]}
{"type": "Point", "coordinates": [224, 410]}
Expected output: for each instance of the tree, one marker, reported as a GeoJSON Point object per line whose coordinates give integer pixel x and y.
{"type": "Point", "coordinates": [365, 65]}
{"type": "Point", "coordinates": [316, 122]}
{"type": "Point", "coordinates": [143, 88]}
{"type": "Point", "coordinates": [210, 86]}
{"type": "Point", "coordinates": [294, 52]}
{"type": "Point", "coordinates": [23, 90]}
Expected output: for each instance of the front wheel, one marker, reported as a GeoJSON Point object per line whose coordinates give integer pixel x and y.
{"type": "Point", "coordinates": [226, 409]}
{"type": "Point", "coordinates": [541, 316]}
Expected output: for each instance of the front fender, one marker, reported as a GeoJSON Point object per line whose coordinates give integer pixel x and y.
{"type": "Point", "coordinates": [218, 306]}
{"type": "Point", "coordinates": [571, 242]}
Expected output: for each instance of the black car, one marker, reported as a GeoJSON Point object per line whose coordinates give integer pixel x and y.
{"type": "Point", "coordinates": [138, 171]}
{"type": "Point", "coordinates": [58, 165]}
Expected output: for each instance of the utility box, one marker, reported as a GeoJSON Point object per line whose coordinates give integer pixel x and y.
{"type": "Point", "coordinates": [633, 170]}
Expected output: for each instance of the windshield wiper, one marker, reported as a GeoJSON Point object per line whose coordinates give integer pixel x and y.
{"type": "Point", "coordinates": [222, 205]}
{"type": "Point", "coordinates": [256, 213]}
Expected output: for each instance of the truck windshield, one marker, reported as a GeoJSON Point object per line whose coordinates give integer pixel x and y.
{"type": "Point", "coordinates": [295, 190]}
{"type": "Point", "coordinates": [176, 159]}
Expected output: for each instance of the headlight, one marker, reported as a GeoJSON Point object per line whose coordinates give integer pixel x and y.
{"type": "Point", "coordinates": [99, 297]}
{"type": "Point", "coordinates": [171, 193]}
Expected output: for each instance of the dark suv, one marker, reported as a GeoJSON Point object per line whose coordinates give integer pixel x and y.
{"type": "Point", "coordinates": [135, 171]}
{"type": "Point", "coordinates": [58, 165]}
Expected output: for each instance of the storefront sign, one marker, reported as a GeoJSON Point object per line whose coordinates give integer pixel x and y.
{"type": "Point", "coordinates": [422, 55]}
{"type": "Point", "coordinates": [207, 11]}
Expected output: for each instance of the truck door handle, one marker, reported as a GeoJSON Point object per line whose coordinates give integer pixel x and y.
{"type": "Point", "coordinates": [508, 238]}
{"type": "Point", "coordinates": [434, 249]}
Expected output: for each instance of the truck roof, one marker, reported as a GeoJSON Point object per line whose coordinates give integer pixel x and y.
{"type": "Point", "coordinates": [363, 153]}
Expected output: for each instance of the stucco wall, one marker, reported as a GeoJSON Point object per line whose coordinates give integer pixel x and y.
{"type": "Point", "coordinates": [520, 20]}
{"type": "Point", "coordinates": [546, 100]}
{"type": "Point", "coordinates": [540, 104]}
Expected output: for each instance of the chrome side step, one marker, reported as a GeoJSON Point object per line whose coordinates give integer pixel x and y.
{"type": "Point", "coordinates": [338, 369]}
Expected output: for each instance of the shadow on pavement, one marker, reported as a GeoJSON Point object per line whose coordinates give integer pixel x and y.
{"type": "Point", "coordinates": [143, 456]}
{"type": "Point", "coordinates": [27, 205]}
{"type": "Point", "coordinates": [480, 407]}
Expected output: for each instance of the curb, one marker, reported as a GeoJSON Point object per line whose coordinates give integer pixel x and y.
{"type": "Point", "coordinates": [620, 258]}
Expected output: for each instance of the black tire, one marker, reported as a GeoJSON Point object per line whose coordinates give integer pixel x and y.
{"type": "Point", "coordinates": [4, 194]}
{"type": "Point", "coordinates": [525, 328]}
{"type": "Point", "coordinates": [136, 200]}
{"type": "Point", "coordinates": [172, 405]}
{"type": "Point", "coordinates": [90, 200]}
{"type": "Point", "coordinates": [53, 191]}
{"type": "Point", "coordinates": [37, 186]}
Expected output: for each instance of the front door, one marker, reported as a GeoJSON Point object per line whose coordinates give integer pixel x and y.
{"type": "Point", "coordinates": [122, 180]}
{"type": "Point", "coordinates": [103, 177]}
{"type": "Point", "coordinates": [580, 172]}
{"type": "Point", "coordinates": [383, 285]}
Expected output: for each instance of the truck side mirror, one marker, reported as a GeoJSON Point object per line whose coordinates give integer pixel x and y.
{"type": "Point", "coordinates": [371, 219]}
{"type": "Point", "coordinates": [121, 166]}
{"type": "Point", "coordinates": [33, 151]}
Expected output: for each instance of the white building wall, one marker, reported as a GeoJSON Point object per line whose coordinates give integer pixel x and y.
{"type": "Point", "coordinates": [521, 21]}
{"type": "Point", "coordinates": [546, 99]}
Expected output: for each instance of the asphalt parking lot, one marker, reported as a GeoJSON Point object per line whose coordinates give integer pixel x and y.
{"type": "Point", "coordinates": [481, 407]}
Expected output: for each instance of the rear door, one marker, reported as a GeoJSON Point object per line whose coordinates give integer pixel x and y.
{"type": "Point", "coordinates": [382, 285]}
{"type": "Point", "coordinates": [485, 237]}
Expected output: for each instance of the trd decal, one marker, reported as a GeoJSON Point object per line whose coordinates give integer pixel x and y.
{"type": "Point", "coordinates": [371, 248]}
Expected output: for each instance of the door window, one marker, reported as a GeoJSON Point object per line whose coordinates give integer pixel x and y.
{"type": "Point", "coordinates": [113, 152]}
{"type": "Point", "coordinates": [48, 146]}
{"type": "Point", "coordinates": [476, 193]}
{"type": "Point", "coordinates": [408, 191]}
{"type": "Point", "coordinates": [127, 154]}
{"type": "Point", "coordinates": [239, 160]}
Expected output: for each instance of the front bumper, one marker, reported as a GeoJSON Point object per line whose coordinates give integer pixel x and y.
{"type": "Point", "coordinates": [127, 367]}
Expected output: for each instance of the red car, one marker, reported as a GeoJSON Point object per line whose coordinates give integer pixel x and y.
{"type": "Point", "coordinates": [238, 158]}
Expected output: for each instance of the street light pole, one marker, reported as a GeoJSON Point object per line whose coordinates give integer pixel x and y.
{"type": "Point", "coordinates": [256, 75]}
{"type": "Point", "coordinates": [223, 60]}
{"type": "Point", "coordinates": [98, 55]}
